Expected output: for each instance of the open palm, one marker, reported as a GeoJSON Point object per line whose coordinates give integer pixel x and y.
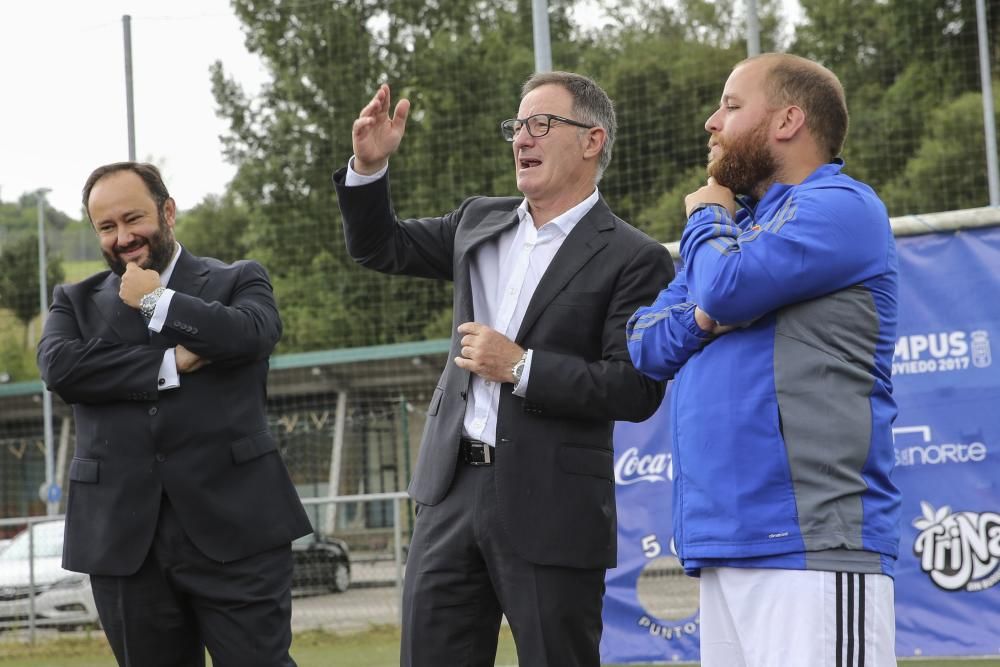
{"type": "Point", "coordinates": [376, 136]}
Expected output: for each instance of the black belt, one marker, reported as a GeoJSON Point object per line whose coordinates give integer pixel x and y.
{"type": "Point", "coordinates": [476, 452]}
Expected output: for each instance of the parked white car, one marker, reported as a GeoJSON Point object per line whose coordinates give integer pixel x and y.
{"type": "Point", "coordinates": [61, 598]}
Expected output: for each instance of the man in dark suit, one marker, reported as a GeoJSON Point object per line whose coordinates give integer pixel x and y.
{"type": "Point", "coordinates": [179, 505]}
{"type": "Point", "coordinates": [514, 481]}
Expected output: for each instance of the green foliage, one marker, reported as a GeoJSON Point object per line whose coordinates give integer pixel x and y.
{"type": "Point", "coordinates": [938, 176]}
{"type": "Point", "coordinates": [664, 220]}
{"type": "Point", "coordinates": [290, 140]}
{"type": "Point", "coordinates": [661, 129]}
{"type": "Point", "coordinates": [900, 62]}
{"type": "Point", "coordinates": [17, 360]}
{"type": "Point", "coordinates": [217, 227]}
{"type": "Point", "coordinates": [19, 277]}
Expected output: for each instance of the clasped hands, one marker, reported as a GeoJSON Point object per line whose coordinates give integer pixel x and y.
{"type": "Point", "coordinates": [487, 352]}
{"type": "Point", "coordinates": [138, 282]}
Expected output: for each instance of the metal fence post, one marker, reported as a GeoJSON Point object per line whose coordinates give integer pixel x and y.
{"type": "Point", "coordinates": [398, 538]}
{"type": "Point", "coordinates": [989, 117]}
{"type": "Point", "coordinates": [31, 582]}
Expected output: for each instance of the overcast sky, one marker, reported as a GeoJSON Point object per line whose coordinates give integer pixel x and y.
{"type": "Point", "coordinates": [63, 103]}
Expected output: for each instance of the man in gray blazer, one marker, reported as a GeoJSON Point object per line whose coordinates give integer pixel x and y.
{"type": "Point", "coordinates": [180, 507]}
{"type": "Point", "coordinates": [514, 484]}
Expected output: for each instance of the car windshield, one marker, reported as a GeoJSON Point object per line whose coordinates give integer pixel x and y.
{"type": "Point", "coordinates": [48, 540]}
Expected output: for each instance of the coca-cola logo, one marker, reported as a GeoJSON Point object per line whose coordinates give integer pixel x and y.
{"type": "Point", "coordinates": [632, 468]}
{"type": "Point", "coordinates": [960, 550]}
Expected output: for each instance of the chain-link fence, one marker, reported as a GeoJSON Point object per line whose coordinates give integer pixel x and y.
{"type": "Point", "coordinates": [361, 352]}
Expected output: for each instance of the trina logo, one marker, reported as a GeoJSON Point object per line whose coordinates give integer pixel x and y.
{"type": "Point", "coordinates": [960, 550]}
{"type": "Point", "coordinates": [631, 468]}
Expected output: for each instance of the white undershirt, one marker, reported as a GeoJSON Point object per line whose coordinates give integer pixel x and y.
{"type": "Point", "coordinates": [168, 377]}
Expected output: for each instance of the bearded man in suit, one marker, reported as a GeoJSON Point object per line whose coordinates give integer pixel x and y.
{"type": "Point", "coordinates": [180, 506]}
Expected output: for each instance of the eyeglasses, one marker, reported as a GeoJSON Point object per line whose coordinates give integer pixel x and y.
{"type": "Point", "coordinates": [537, 125]}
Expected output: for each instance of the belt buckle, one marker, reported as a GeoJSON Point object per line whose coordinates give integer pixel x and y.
{"type": "Point", "coordinates": [485, 456]}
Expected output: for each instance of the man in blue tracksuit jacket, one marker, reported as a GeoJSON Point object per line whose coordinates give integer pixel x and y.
{"type": "Point", "coordinates": [779, 334]}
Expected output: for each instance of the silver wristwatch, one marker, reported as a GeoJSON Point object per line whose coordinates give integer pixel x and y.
{"type": "Point", "coordinates": [518, 368]}
{"type": "Point", "coordinates": [147, 304]}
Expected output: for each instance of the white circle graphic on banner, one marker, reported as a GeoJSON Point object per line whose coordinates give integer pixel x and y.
{"type": "Point", "coordinates": [665, 592]}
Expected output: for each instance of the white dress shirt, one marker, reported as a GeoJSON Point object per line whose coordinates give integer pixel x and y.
{"type": "Point", "coordinates": [168, 378]}
{"type": "Point", "coordinates": [505, 272]}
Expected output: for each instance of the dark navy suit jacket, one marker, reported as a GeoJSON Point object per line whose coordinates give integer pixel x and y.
{"type": "Point", "coordinates": [205, 444]}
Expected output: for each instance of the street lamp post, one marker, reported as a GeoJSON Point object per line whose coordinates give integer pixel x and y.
{"type": "Point", "coordinates": [48, 495]}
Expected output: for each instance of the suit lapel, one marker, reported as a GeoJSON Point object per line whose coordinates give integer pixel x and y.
{"type": "Point", "coordinates": [583, 242]}
{"type": "Point", "coordinates": [190, 274]}
{"type": "Point", "coordinates": [189, 277]}
{"type": "Point", "coordinates": [127, 322]}
{"type": "Point", "coordinates": [494, 224]}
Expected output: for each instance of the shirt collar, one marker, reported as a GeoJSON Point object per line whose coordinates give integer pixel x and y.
{"type": "Point", "coordinates": [566, 221]}
{"type": "Point", "coordinates": [169, 271]}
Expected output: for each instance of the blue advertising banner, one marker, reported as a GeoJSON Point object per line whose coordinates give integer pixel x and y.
{"type": "Point", "coordinates": [947, 437]}
{"type": "Point", "coordinates": [650, 605]}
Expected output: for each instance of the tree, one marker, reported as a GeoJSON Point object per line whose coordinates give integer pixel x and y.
{"type": "Point", "coordinates": [899, 61]}
{"type": "Point", "coordinates": [461, 63]}
{"type": "Point", "coordinates": [665, 67]}
{"type": "Point", "coordinates": [19, 278]}
{"type": "Point", "coordinates": [217, 227]}
{"type": "Point", "coordinates": [938, 177]}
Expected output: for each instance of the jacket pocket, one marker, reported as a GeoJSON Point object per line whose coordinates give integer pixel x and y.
{"type": "Point", "coordinates": [84, 470]}
{"type": "Point", "coordinates": [435, 403]}
{"type": "Point", "coordinates": [250, 448]}
{"type": "Point", "coordinates": [583, 460]}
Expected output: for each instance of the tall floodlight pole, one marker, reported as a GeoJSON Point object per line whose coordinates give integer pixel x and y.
{"type": "Point", "coordinates": [989, 120]}
{"type": "Point", "coordinates": [49, 494]}
{"type": "Point", "coordinates": [130, 108]}
{"type": "Point", "coordinates": [753, 29]}
{"type": "Point", "coordinates": [540, 28]}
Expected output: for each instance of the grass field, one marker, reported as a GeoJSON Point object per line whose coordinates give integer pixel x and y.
{"type": "Point", "coordinates": [77, 271]}
{"type": "Point", "coordinates": [377, 647]}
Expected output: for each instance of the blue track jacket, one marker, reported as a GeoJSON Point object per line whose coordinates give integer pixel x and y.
{"type": "Point", "coordinates": [781, 429]}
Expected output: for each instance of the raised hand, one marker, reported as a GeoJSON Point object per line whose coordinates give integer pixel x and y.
{"type": "Point", "coordinates": [376, 136]}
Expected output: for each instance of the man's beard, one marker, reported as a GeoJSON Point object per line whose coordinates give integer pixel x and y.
{"type": "Point", "coordinates": [161, 250]}
{"type": "Point", "coordinates": [746, 163]}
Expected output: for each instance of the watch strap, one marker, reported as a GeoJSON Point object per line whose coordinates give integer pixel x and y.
{"type": "Point", "coordinates": [147, 304]}
{"type": "Point", "coordinates": [518, 368]}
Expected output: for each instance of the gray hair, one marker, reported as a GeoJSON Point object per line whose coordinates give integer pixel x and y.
{"type": "Point", "coordinates": [590, 103]}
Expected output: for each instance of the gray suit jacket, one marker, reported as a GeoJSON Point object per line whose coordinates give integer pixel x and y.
{"type": "Point", "coordinates": [205, 444]}
{"type": "Point", "coordinates": [554, 476]}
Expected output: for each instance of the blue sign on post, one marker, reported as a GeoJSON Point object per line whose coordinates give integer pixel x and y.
{"type": "Point", "coordinates": [55, 493]}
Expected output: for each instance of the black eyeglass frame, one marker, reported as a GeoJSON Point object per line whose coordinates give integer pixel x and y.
{"type": "Point", "coordinates": [508, 132]}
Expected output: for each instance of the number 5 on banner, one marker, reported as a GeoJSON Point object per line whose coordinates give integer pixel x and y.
{"type": "Point", "coordinates": [650, 547]}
